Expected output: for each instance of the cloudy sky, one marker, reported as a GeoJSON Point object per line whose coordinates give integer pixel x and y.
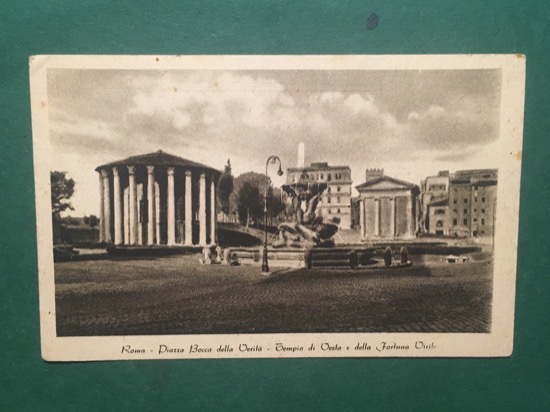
{"type": "Point", "coordinates": [411, 123]}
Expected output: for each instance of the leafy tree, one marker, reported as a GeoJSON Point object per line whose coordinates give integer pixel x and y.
{"type": "Point", "coordinates": [72, 221]}
{"type": "Point", "coordinates": [275, 205]}
{"type": "Point", "coordinates": [255, 179]}
{"type": "Point", "coordinates": [225, 188]}
{"type": "Point", "coordinates": [91, 220]}
{"type": "Point", "coordinates": [249, 203]}
{"type": "Point", "coordinates": [62, 189]}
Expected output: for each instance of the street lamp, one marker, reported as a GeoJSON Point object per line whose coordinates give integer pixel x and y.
{"type": "Point", "coordinates": [271, 159]}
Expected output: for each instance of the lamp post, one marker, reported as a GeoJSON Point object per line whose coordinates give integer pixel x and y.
{"type": "Point", "coordinates": [271, 159]}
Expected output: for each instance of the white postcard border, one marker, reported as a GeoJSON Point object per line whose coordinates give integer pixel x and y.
{"type": "Point", "coordinates": [499, 342]}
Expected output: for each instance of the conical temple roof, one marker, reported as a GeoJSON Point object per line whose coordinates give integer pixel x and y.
{"type": "Point", "coordinates": [158, 158]}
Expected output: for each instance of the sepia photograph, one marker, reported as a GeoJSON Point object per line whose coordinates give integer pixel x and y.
{"type": "Point", "coordinates": [276, 206]}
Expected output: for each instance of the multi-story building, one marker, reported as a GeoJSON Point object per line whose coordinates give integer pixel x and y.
{"type": "Point", "coordinates": [472, 200]}
{"type": "Point", "coordinates": [459, 204]}
{"type": "Point", "coordinates": [335, 201]}
{"type": "Point", "coordinates": [434, 199]}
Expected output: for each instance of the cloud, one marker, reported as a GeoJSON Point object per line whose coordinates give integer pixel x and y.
{"type": "Point", "coordinates": [461, 123]}
{"type": "Point", "coordinates": [210, 116]}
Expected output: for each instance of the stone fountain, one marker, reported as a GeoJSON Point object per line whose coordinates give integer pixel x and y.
{"type": "Point", "coordinates": [306, 228]}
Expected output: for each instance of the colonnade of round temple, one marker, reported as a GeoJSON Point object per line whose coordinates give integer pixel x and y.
{"type": "Point", "coordinates": [157, 199]}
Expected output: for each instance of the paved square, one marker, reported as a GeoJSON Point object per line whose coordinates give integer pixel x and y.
{"type": "Point", "coordinates": [176, 295]}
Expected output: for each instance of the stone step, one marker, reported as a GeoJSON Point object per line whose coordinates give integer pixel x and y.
{"type": "Point", "coordinates": [330, 263]}
{"type": "Point", "coordinates": [330, 256]}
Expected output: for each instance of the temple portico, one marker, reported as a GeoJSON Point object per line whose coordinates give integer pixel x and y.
{"type": "Point", "coordinates": [157, 199]}
{"type": "Point", "coordinates": [387, 207]}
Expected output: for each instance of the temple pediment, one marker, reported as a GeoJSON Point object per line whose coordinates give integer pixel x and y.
{"type": "Point", "coordinates": [385, 183]}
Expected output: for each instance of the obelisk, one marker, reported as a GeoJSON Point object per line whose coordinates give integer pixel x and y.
{"type": "Point", "coordinates": [301, 156]}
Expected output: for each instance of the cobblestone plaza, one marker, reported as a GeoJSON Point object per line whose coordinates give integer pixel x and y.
{"type": "Point", "coordinates": [175, 295]}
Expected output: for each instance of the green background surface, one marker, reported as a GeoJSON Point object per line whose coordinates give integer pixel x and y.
{"type": "Point", "coordinates": [274, 27]}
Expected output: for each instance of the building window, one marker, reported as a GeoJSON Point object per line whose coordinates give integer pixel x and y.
{"type": "Point", "coordinates": [455, 211]}
{"type": "Point", "coordinates": [482, 222]}
{"type": "Point", "coordinates": [475, 210]}
{"type": "Point", "coordinates": [455, 222]}
{"type": "Point", "coordinates": [329, 176]}
{"type": "Point", "coordinates": [465, 211]}
{"type": "Point", "coordinates": [439, 212]}
{"type": "Point", "coordinates": [338, 210]}
{"type": "Point", "coordinates": [454, 201]}
{"type": "Point", "coordinates": [329, 211]}
{"type": "Point", "coordinates": [328, 199]}
{"type": "Point", "coordinates": [328, 189]}
{"type": "Point", "coordinates": [475, 199]}
{"type": "Point", "coordinates": [482, 200]}
{"type": "Point", "coordinates": [465, 200]}
{"type": "Point", "coordinates": [339, 188]}
{"type": "Point", "coordinates": [338, 199]}
{"type": "Point", "coordinates": [465, 221]}
{"type": "Point", "coordinates": [482, 210]}
{"type": "Point", "coordinates": [439, 223]}
{"type": "Point", "coordinates": [322, 176]}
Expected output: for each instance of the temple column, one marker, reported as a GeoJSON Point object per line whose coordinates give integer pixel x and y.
{"type": "Point", "coordinates": [171, 210]}
{"type": "Point", "coordinates": [213, 211]}
{"type": "Point", "coordinates": [392, 216]}
{"type": "Point", "coordinates": [139, 214]}
{"type": "Point", "coordinates": [118, 207]}
{"type": "Point", "coordinates": [125, 202]}
{"type": "Point", "coordinates": [202, 210]}
{"type": "Point", "coordinates": [101, 209]}
{"type": "Point", "coordinates": [362, 217]}
{"type": "Point", "coordinates": [376, 217]}
{"type": "Point", "coordinates": [151, 205]}
{"type": "Point", "coordinates": [410, 217]}
{"type": "Point", "coordinates": [106, 207]}
{"type": "Point", "coordinates": [132, 205]}
{"type": "Point", "coordinates": [188, 209]}
{"type": "Point", "coordinates": [157, 213]}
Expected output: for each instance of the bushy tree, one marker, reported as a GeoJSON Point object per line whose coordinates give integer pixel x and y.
{"type": "Point", "coordinates": [91, 220]}
{"type": "Point", "coordinates": [62, 189]}
{"type": "Point", "coordinates": [94, 221]}
{"type": "Point", "coordinates": [249, 203]}
{"type": "Point", "coordinates": [255, 212]}
{"type": "Point", "coordinates": [275, 204]}
{"type": "Point", "coordinates": [255, 179]}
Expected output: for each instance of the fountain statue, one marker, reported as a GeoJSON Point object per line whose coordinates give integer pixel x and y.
{"type": "Point", "coordinates": [306, 228]}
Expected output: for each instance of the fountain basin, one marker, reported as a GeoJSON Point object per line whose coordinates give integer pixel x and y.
{"type": "Point", "coordinates": [313, 257]}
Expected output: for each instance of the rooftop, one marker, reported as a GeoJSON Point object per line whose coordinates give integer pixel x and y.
{"type": "Point", "coordinates": [158, 158]}
{"type": "Point", "coordinates": [318, 166]}
{"type": "Point", "coordinates": [376, 180]}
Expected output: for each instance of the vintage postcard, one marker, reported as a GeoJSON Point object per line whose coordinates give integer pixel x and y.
{"type": "Point", "coordinates": [277, 206]}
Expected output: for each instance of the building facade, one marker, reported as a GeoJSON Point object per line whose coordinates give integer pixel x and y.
{"type": "Point", "coordinates": [335, 201]}
{"type": "Point", "coordinates": [472, 200]}
{"type": "Point", "coordinates": [434, 200]}
{"type": "Point", "coordinates": [157, 199]}
{"type": "Point", "coordinates": [387, 207]}
{"type": "Point", "coordinates": [466, 207]}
